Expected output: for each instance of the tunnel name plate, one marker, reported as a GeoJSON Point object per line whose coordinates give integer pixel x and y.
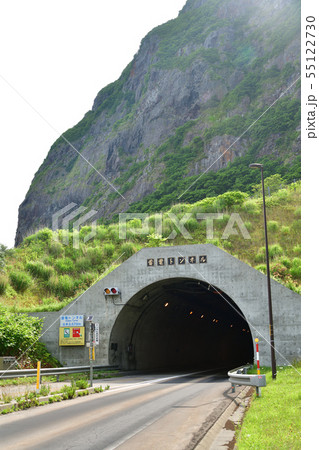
{"type": "Point", "coordinates": [181, 260]}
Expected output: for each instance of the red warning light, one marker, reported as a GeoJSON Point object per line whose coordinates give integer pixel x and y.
{"type": "Point", "coordinates": [111, 291]}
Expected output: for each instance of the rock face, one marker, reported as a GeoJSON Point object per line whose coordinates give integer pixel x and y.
{"type": "Point", "coordinates": [218, 61]}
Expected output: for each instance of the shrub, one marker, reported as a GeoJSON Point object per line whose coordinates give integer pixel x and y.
{"type": "Point", "coordinates": [48, 300]}
{"type": "Point", "coordinates": [98, 389]}
{"type": "Point", "coordinates": [95, 256]}
{"type": "Point", "coordinates": [62, 285]}
{"type": "Point", "coordinates": [192, 224]}
{"type": "Point", "coordinates": [83, 264]}
{"type": "Point", "coordinates": [275, 250]}
{"type": "Point", "coordinates": [285, 230]}
{"type": "Point", "coordinates": [180, 208]}
{"type": "Point", "coordinates": [45, 390]}
{"type": "Point", "coordinates": [20, 281]}
{"type": "Point", "coordinates": [286, 262]}
{"type": "Point", "coordinates": [155, 240]}
{"type": "Point", "coordinates": [295, 270]}
{"type": "Point", "coordinates": [44, 235]}
{"type": "Point", "coordinates": [85, 280]}
{"type": "Point", "coordinates": [3, 284]}
{"type": "Point", "coordinates": [297, 213]}
{"type": "Point", "coordinates": [134, 223]}
{"type": "Point", "coordinates": [227, 244]}
{"type": "Point", "coordinates": [56, 249]}
{"type": "Point", "coordinates": [64, 265]}
{"type": "Point", "coordinates": [6, 398]}
{"type": "Point", "coordinates": [279, 271]}
{"type": "Point", "coordinates": [84, 231]}
{"type": "Point", "coordinates": [101, 233]}
{"type": "Point", "coordinates": [19, 335]}
{"type": "Point", "coordinates": [154, 219]}
{"type": "Point", "coordinates": [128, 249]}
{"type": "Point", "coordinates": [82, 384]}
{"type": "Point", "coordinates": [232, 198]}
{"type": "Point", "coordinates": [108, 250]}
{"type": "Point", "coordinates": [261, 255]}
{"type": "Point", "coordinates": [251, 207]}
{"type": "Point", "coordinates": [168, 226]}
{"type": "Point", "coordinates": [39, 270]}
{"type": "Point", "coordinates": [262, 268]}
{"type": "Point", "coordinates": [68, 391]}
{"type": "Point", "coordinates": [297, 250]}
{"type": "Point", "coordinates": [208, 204]}
{"type": "Point", "coordinates": [3, 252]}
{"type": "Point", "coordinates": [215, 242]}
{"type": "Point", "coordinates": [273, 226]}
{"type": "Point", "coordinates": [223, 221]}
{"type": "Point", "coordinates": [296, 226]}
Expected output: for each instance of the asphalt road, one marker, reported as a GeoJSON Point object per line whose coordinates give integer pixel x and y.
{"type": "Point", "coordinates": [151, 412]}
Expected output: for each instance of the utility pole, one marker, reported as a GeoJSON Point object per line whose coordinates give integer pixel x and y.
{"type": "Point", "coordinates": [271, 322]}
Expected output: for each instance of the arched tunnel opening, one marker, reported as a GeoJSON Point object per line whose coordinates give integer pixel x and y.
{"type": "Point", "coordinates": [180, 323]}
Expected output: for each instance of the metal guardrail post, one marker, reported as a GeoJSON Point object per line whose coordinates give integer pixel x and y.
{"type": "Point", "coordinates": [6, 374]}
{"type": "Point", "coordinates": [240, 377]}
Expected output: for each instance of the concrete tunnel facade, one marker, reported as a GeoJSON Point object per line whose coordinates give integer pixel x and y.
{"type": "Point", "coordinates": [190, 306]}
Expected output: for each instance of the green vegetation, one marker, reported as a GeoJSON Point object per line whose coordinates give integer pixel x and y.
{"type": "Point", "coordinates": [220, 44]}
{"type": "Point", "coordinates": [19, 336]}
{"type": "Point", "coordinates": [74, 377]}
{"type": "Point", "coordinates": [273, 420]}
{"type": "Point", "coordinates": [31, 399]}
{"type": "Point", "coordinates": [283, 118]}
{"type": "Point", "coordinates": [54, 281]}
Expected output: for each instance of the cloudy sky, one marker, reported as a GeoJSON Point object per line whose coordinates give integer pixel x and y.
{"type": "Point", "coordinates": [55, 56]}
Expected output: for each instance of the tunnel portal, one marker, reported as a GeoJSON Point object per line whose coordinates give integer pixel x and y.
{"type": "Point", "coordinates": [180, 307]}
{"type": "Point", "coordinates": [180, 323]}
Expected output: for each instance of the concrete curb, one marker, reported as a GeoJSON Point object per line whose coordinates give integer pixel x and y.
{"type": "Point", "coordinates": [90, 390]}
{"type": "Point", "coordinates": [222, 434]}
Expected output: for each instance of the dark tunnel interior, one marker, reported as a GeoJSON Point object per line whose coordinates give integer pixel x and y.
{"type": "Point", "coordinates": [180, 323]}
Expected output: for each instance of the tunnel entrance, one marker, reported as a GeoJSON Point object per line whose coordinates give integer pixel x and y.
{"type": "Point", "coordinates": [180, 323]}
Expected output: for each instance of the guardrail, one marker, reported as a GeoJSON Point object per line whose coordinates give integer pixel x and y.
{"type": "Point", "coordinates": [240, 377]}
{"type": "Point", "coordinates": [57, 371]}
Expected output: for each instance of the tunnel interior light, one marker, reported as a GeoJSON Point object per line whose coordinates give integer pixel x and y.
{"type": "Point", "coordinates": [166, 304]}
{"type": "Point", "coordinates": [191, 312]}
{"type": "Point", "coordinates": [202, 316]}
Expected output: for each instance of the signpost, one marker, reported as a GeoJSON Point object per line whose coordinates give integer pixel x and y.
{"type": "Point", "coordinates": [96, 334]}
{"type": "Point", "coordinates": [72, 321]}
{"type": "Point", "coordinates": [91, 348]}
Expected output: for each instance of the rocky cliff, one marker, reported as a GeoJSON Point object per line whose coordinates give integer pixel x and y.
{"type": "Point", "coordinates": [193, 88]}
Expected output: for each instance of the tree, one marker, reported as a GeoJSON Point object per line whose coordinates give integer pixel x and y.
{"type": "Point", "coordinates": [19, 337]}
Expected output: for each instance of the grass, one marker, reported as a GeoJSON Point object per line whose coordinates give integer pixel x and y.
{"type": "Point", "coordinates": [31, 399]}
{"type": "Point", "coordinates": [75, 377]}
{"type": "Point", "coordinates": [45, 274]}
{"type": "Point", "coordinates": [273, 421]}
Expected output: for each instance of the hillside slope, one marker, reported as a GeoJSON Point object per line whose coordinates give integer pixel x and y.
{"type": "Point", "coordinates": [45, 272]}
{"type": "Point", "coordinates": [194, 87]}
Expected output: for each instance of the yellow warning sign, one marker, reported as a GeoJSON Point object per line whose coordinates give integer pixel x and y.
{"type": "Point", "coordinates": [71, 336]}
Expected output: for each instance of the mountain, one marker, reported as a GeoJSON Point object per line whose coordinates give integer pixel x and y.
{"type": "Point", "coordinates": [218, 84]}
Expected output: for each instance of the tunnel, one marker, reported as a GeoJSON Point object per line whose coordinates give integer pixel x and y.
{"type": "Point", "coordinates": [178, 324]}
